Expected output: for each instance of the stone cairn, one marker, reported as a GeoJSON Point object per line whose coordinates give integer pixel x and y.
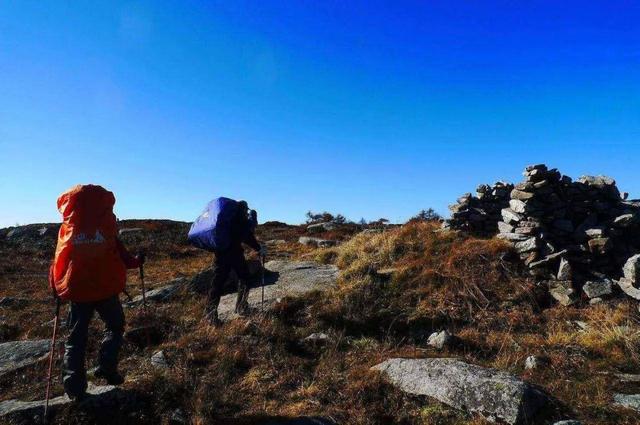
{"type": "Point", "coordinates": [480, 214]}
{"type": "Point", "coordinates": [574, 236]}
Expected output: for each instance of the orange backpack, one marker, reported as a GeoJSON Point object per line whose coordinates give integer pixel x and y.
{"type": "Point", "coordinates": [87, 266]}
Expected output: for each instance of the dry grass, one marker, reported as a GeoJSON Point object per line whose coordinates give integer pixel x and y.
{"type": "Point", "coordinates": [396, 287]}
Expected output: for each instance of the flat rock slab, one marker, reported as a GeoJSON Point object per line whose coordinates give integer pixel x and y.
{"type": "Point", "coordinates": [629, 401]}
{"type": "Point", "coordinates": [98, 397]}
{"type": "Point", "coordinates": [496, 395]}
{"type": "Point", "coordinates": [284, 279]}
{"type": "Point", "coordinates": [15, 355]}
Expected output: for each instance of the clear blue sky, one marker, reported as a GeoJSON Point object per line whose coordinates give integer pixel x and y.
{"type": "Point", "coordinates": [372, 109]}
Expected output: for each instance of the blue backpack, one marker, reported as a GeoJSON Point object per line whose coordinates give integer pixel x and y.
{"type": "Point", "coordinates": [212, 230]}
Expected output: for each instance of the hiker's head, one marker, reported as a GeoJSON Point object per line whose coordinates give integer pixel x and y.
{"type": "Point", "coordinates": [244, 207]}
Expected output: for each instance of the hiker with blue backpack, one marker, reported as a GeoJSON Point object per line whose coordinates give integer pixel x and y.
{"type": "Point", "coordinates": [222, 228]}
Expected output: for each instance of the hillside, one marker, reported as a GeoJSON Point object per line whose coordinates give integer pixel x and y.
{"type": "Point", "coordinates": [310, 354]}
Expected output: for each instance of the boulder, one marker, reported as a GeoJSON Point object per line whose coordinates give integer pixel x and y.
{"type": "Point", "coordinates": [495, 395]}
{"type": "Point", "coordinates": [283, 279]}
{"type": "Point", "coordinates": [15, 355]}
{"type": "Point", "coordinates": [309, 241]}
{"type": "Point", "coordinates": [99, 397]}
{"type": "Point", "coordinates": [527, 245]}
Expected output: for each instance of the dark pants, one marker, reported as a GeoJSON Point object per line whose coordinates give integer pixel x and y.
{"type": "Point", "coordinates": [223, 263]}
{"type": "Point", "coordinates": [80, 314]}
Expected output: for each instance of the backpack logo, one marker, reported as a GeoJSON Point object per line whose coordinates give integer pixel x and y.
{"type": "Point", "coordinates": [82, 239]}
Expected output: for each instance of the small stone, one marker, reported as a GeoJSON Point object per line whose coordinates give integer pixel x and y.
{"type": "Point", "coordinates": [509, 216]}
{"type": "Point", "coordinates": [317, 338]}
{"type": "Point", "coordinates": [562, 292]}
{"type": "Point", "coordinates": [518, 206]}
{"type": "Point", "coordinates": [514, 237]}
{"type": "Point", "coordinates": [527, 245]}
{"type": "Point", "coordinates": [596, 232]}
{"type": "Point", "coordinates": [568, 422]}
{"type": "Point", "coordinates": [504, 227]}
{"type": "Point", "coordinates": [521, 195]}
{"type": "Point", "coordinates": [440, 340]}
{"type": "Point", "coordinates": [631, 269]}
{"type": "Point", "coordinates": [600, 245]}
{"type": "Point", "coordinates": [597, 288]}
{"type": "Point", "coordinates": [624, 220]}
{"type": "Point", "coordinates": [159, 360]}
{"type": "Point", "coordinates": [564, 270]}
{"type": "Point", "coordinates": [532, 362]}
{"type": "Point", "coordinates": [594, 301]}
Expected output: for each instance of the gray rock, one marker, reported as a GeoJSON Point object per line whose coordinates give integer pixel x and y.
{"type": "Point", "coordinates": [513, 237]}
{"type": "Point", "coordinates": [306, 240]}
{"type": "Point", "coordinates": [163, 293]}
{"type": "Point", "coordinates": [631, 269]}
{"type": "Point", "coordinates": [628, 288]}
{"type": "Point", "coordinates": [521, 195]}
{"type": "Point", "coordinates": [624, 220]}
{"type": "Point", "coordinates": [320, 227]}
{"type": "Point", "coordinates": [317, 338]}
{"type": "Point", "coordinates": [13, 302]}
{"type": "Point", "coordinates": [496, 395]}
{"type": "Point", "coordinates": [284, 279]}
{"type": "Point", "coordinates": [596, 300]}
{"type": "Point", "coordinates": [595, 232]}
{"type": "Point", "coordinates": [532, 362]}
{"type": "Point", "coordinates": [597, 288]}
{"type": "Point", "coordinates": [527, 245]}
{"type": "Point", "coordinates": [564, 270]}
{"type": "Point", "coordinates": [504, 227]}
{"type": "Point", "coordinates": [548, 259]}
{"type": "Point", "coordinates": [509, 216]}
{"type": "Point", "coordinates": [600, 245]}
{"type": "Point", "coordinates": [159, 360]}
{"type": "Point", "coordinates": [440, 340]}
{"type": "Point", "coordinates": [98, 397]}
{"type": "Point", "coordinates": [627, 377]}
{"type": "Point", "coordinates": [563, 292]}
{"type": "Point", "coordinates": [629, 401]}
{"type": "Point", "coordinates": [568, 422]}
{"type": "Point", "coordinates": [178, 418]}
{"type": "Point", "coordinates": [518, 206]}
{"type": "Point", "coordinates": [15, 355]}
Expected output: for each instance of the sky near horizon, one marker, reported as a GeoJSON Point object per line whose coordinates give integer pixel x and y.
{"type": "Point", "coordinates": [366, 108]}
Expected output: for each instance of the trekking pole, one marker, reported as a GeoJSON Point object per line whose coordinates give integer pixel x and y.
{"type": "Point", "coordinates": [262, 277]}
{"type": "Point", "coordinates": [51, 353]}
{"type": "Point", "coordinates": [144, 296]}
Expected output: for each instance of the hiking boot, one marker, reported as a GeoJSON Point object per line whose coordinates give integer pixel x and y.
{"type": "Point", "coordinates": [112, 378]}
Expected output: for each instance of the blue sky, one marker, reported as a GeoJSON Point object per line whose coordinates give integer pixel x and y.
{"type": "Point", "coordinates": [371, 109]}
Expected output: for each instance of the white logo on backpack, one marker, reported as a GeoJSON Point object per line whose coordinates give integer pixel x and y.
{"type": "Point", "coordinates": [83, 239]}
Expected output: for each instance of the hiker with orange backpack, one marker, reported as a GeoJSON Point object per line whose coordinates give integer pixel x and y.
{"type": "Point", "coordinates": [90, 271]}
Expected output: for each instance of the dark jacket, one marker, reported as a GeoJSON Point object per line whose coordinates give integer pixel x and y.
{"type": "Point", "coordinates": [242, 232]}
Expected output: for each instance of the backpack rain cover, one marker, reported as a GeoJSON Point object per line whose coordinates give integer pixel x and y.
{"type": "Point", "coordinates": [87, 265]}
{"type": "Point", "coordinates": [212, 230]}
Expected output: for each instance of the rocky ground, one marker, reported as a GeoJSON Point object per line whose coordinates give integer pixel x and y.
{"type": "Point", "coordinates": [404, 325]}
